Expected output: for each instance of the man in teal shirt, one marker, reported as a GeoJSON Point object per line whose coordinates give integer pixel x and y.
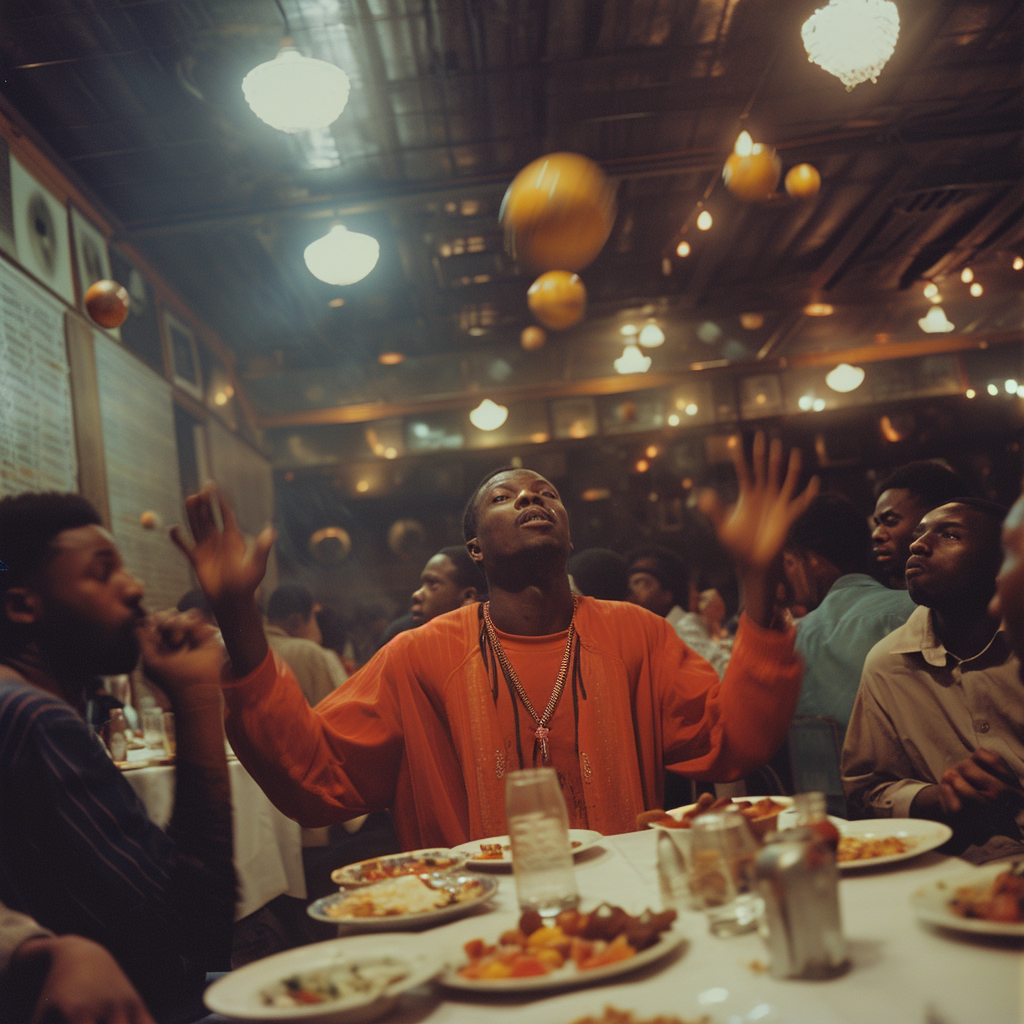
{"type": "Point", "coordinates": [827, 563]}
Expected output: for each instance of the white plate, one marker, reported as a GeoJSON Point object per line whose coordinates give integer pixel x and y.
{"type": "Point", "coordinates": [404, 922]}
{"type": "Point", "coordinates": [585, 837]}
{"type": "Point", "coordinates": [567, 976]}
{"type": "Point", "coordinates": [238, 994]}
{"type": "Point", "coordinates": [920, 835]}
{"type": "Point", "coordinates": [352, 874]}
{"type": "Point", "coordinates": [931, 902]}
{"type": "Point", "coordinates": [786, 801]}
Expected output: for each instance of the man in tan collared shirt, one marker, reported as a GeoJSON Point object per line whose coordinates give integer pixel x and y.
{"type": "Point", "coordinates": [937, 730]}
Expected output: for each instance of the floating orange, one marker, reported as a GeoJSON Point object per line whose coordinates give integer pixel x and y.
{"type": "Point", "coordinates": [752, 177]}
{"type": "Point", "coordinates": [557, 299]}
{"type": "Point", "coordinates": [803, 181]}
{"type": "Point", "coordinates": [558, 212]}
{"type": "Point", "coordinates": [107, 303]}
{"type": "Point", "coordinates": [533, 337]}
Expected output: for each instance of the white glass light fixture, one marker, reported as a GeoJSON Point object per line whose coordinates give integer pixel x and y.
{"type": "Point", "coordinates": [632, 360]}
{"type": "Point", "coordinates": [704, 220]}
{"type": "Point", "coordinates": [1018, 262]}
{"type": "Point", "coordinates": [967, 275]}
{"type": "Point", "coordinates": [852, 39]}
{"type": "Point", "coordinates": [342, 257]}
{"type": "Point", "coordinates": [935, 321]}
{"type": "Point", "coordinates": [293, 93]}
{"type": "Point", "coordinates": [845, 377]}
{"type": "Point", "coordinates": [488, 415]}
{"type": "Point", "coordinates": [651, 336]}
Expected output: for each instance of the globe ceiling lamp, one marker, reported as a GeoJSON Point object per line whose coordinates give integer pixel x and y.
{"type": "Point", "coordinates": [844, 378]}
{"type": "Point", "coordinates": [651, 336]}
{"type": "Point", "coordinates": [935, 321]}
{"type": "Point", "coordinates": [342, 257]}
{"type": "Point", "coordinates": [852, 39]}
{"type": "Point", "coordinates": [293, 93]}
{"type": "Point", "coordinates": [488, 415]}
{"type": "Point", "coordinates": [632, 360]}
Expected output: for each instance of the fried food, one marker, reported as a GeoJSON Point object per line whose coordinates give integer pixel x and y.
{"type": "Point", "coordinates": [1002, 901]}
{"type": "Point", "coordinates": [613, 1016]}
{"type": "Point", "coordinates": [851, 848]}
{"type": "Point", "coordinates": [752, 811]}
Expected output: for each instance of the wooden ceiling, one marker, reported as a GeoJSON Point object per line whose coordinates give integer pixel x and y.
{"type": "Point", "coordinates": [922, 175]}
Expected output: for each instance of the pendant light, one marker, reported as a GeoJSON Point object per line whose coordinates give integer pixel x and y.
{"type": "Point", "coordinates": [342, 257]}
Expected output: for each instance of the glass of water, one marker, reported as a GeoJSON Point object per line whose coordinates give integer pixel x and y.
{"type": "Point", "coordinates": [538, 825]}
{"type": "Point", "coordinates": [722, 851]}
{"type": "Point", "coordinates": [153, 727]}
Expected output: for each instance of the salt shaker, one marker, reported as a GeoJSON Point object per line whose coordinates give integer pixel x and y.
{"type": "Point", "coordinates": [797, 877]}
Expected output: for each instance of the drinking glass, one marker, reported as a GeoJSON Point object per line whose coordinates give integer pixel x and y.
{"type": "Point", "coordinates": [538, 825]}
{"type": "Point", "coordinates": [170, 739]}
{"type": "Point", "coordinates": [153, 727]}
{"type": "Point", "coordinates": [722, 851]}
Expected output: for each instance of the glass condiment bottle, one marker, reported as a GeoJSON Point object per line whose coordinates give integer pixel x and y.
{"type": "Point", "coordinates": [117, 735]}
{"type": "Point", "coordinates": [811, 811]}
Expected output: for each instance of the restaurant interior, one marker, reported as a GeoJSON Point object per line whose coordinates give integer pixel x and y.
{"type": "Point", "coordinates": [816, 236]}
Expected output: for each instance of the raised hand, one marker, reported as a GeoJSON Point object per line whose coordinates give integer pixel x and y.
{"type": "Point", "coordinates": [225, 569]}
{"type": "Point", "coordinates": [754, 530]}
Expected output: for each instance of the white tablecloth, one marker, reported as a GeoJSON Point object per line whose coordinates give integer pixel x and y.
{"type": "Point", "coordinates": [902, 971]}
{"type": "Point", "coordinates": [268, 845]}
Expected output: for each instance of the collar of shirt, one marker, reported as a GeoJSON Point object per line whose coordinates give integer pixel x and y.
{"type": "Point", "coordinates": [274, 630]}
{"type": "Point", "coordinates": [919, 635]}
{"type": "Point", "coordinates": [676, 616]}
{"type": "Point", "coordinates": [856, 579]}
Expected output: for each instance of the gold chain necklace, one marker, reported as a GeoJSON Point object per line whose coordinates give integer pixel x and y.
{"type": "Point", "coordinates": [541, 721]}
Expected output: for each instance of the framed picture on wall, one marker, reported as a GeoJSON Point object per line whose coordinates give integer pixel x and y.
{"type": "Point", "coordinates": [183, 356]}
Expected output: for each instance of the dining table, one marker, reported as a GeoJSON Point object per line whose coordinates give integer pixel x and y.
{"type": "Point", "coordinates": [900, 970]}
{"type": "Point", "coordinates": [268, 845]}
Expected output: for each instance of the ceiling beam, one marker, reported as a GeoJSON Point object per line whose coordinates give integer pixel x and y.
{"type": "Point", "coordinates": [365, 412]}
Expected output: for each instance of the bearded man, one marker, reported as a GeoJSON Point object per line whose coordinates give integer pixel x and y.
{"type": "Point", "coordinates": [603, 692]}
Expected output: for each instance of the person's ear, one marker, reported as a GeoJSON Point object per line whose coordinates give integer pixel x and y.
{"type": "Point", "coordinates": [473, 547]}
{"type": "Point", "coordinates": [470, 596]}
{"type": "Point", "coordinates": [23, 605]}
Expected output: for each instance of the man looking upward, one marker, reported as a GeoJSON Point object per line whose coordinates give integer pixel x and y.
{"type": "Point", "coordinates": [902, 499]}
{"type": "Point", "coordinates": [603, 692]}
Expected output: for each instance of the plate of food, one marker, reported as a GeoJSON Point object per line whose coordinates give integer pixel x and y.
{"type": "Point", "coordinates": [578, 949]}
{"type": "Point", "coordinates": [762, 812]}
{"type": "Point", "coordinates": [988, 900]}
{"type": "Point", "coordinates": [496, 852]}
{"type": "Point", "coordinates": [877, 841]}
{"type": "Point", "coordinates": [408, 901]}
{"type": "Point", "coordinates": [418, 862]}
{"type": "Point", "coordinates": [340, 981]}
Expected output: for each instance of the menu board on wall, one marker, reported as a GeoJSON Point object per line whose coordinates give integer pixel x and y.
{"type": "Point", "coordinates": [142, 470]}
{"type": "Point", "coordinates": [37, 435]}
{"type": "Point", "coordinates": [244, 476]}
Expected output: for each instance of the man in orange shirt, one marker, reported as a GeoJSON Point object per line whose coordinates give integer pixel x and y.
{"type": "Point", "coordinates": [603, 692]}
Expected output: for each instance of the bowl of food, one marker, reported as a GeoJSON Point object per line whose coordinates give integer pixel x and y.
{"type": "Point", "coordinates": [379, 869]}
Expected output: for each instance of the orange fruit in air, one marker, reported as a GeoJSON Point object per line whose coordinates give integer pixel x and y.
{"type": "Point", "coordinates": [557, 299]}
{"type": "Point", "coordinates": [803, 181]}
{"type": "Point", "coordinates": [558, 212]}
{"type": "Point", "coordinates": [107, 303]}
{"type": "Point", "coordinates": [532, 338]}
{"type": "Point", "coordinates": [752, 177]}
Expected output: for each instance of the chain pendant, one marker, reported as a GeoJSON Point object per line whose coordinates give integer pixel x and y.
{"type": "Point", "coordinates": [542, 737]}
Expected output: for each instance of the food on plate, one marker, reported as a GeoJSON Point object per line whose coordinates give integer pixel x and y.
{"type": "Point", "coordinates": [408, 894]}
{"type": "Point", "coordinates": [327, 984]}
{"type": "Point", "coordinates": [394, 867]}
{"type": "Point", "coordinates": [595, 939]}
{"type": "Point", "coordinates": [613, 1016]}
{"type": "Point", "coordinates": [759, 814]}
{"type": "Point", "coordinates": [492, 851]}
{"type": "Point", "coordinates": [853, 848]}
{"type": "Point", "coordinates": [1001, 901]}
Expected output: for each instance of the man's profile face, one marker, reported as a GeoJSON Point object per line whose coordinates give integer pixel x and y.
{"type": "Point", "coordinates": [1008, 604]}
{"type": "Point", "coordinates": [438, 592]}
{"type": "Point", "coordinates": [91, 604]}
{"type": "Point", "coordinates": [646, 590]}
{"type": "Point", "coordinates": [897, 513]}
{"type": "Point", "coordinates": [519, 512]}
{"type": "Point", "coordinates": [952, 558]}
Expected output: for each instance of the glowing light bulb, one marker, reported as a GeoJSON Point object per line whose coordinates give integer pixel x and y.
{"type": "Point", "coordinates": [967, 275]}
{"type": "Point", "coordinates": [970, 392]}
{"type": "Point", "coordinates": [805, 402]}
{"type": "Point", "coordinates": [632, 360]}
{"type": "Point", "coordinates": [930, 289]}
{"type": "Point", "coordinates": [845, 378]}
{"type": "Point", "coordinates": [673, 420]}
{"type": "Point", "coordinates": [992, 390]}
{"type": "Point", "coordinates": [744, 144]}
{"type": "Point", "coordinates": [976, 289]}
{"type": "Point", "coordinates": [691, 410]}
{"type": "Point", "coordinates": [1011, 386]}
{"type": "Point", "coordinates": [488, 415]}
{"type": "Point", "coordinates": [683, 249]}
{"type": "Point", "coordinates": [819, 404]}
{"type": "Point", "coordinates": [704, 221]}
{"type": "Point", "coordinates": [1018, 263]}
{"type": "Point", "coordinates": [342, 257]}
{"type": "Point", "coordinates": [652, 336]}
{"type": "Point", "coordinates": [935, 321]}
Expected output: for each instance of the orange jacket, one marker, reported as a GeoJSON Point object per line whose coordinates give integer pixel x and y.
{"type": "Point", "coordinates": [416, 730]}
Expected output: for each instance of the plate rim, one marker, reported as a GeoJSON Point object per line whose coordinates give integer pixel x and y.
{"type": "Point", "coordinates": [926, 846]}
{"type": "Point", "coordinates": [425, 966]}
{"type": "Point", "coordinates": [947, 919]}
{"type": "Point", "coordinates": [340, 872]}
{"type": "Point", "coordinates": [395, 922]}
{"type": "Point", "coordinates": [594, 839]}
{"type": "Point", "coordinates": [670, 941]}
{"type": "Point", "coordinates": [678, 812]}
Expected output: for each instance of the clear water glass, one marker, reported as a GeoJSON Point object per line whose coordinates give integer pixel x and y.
{"type": "Point", "coordinates": [722, 852]}
{"type": "Point", "coordinates": [538, 825]}
{"type": "Point", "coordinates": [153, 728]}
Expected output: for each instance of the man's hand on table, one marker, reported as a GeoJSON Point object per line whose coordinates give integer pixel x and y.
{"type": "Point", "coordinates": [982, 780]}
{"type": "Point", "coordinates": [81, 983]}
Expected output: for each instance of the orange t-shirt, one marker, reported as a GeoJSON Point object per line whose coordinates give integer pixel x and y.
{"type": "Point", "coordinates": [537, 660]}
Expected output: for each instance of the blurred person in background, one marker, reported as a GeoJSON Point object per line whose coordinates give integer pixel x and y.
{"type": "Point", "coordinates": [902, 499]}
{"type": "Point", "coordinates": [600, 573]}
{"type": "Point", "coordinates": [661, 582]}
